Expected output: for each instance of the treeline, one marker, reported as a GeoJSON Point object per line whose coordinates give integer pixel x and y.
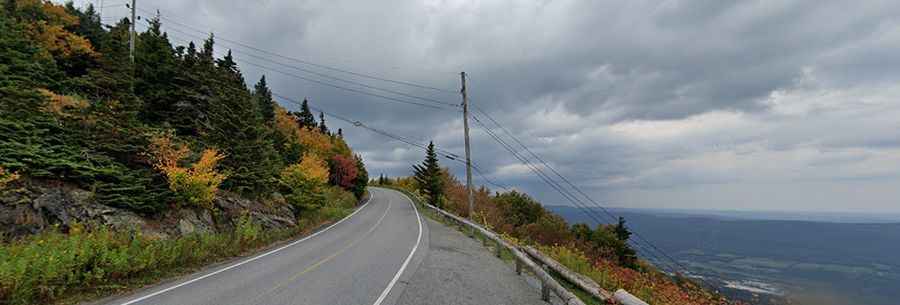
{"type": "Point", "coordinates": [602, 253]}
{"type": "Point", "coordinates": [172, 128]}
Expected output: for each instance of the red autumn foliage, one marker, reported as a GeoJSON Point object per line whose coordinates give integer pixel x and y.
{"type": "Point", "coordinates": [343, 171]}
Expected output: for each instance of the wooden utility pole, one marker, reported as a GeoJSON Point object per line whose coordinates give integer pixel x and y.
{"type": "Point", "coordinates": [133, 22]}
{"type": "Point", "coordinates": [465, 105]}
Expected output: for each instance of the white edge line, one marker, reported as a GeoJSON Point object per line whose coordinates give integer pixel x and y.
{"type": "Point", "coordinates": [390, 285]}
{"type": "Point", "coordinates": [252, 258]}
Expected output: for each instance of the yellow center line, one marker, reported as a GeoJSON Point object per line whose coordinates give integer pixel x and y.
{"type": "Point", "coordinates": [324, 260]}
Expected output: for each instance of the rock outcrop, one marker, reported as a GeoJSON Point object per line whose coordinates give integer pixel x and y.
{"type": "Point", "coordinates": [35, 206]}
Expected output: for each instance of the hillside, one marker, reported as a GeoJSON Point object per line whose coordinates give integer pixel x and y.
{"type": "Point", "coordinates": [602, 252]}
{"type": "Point", "coordinates": [116, 171]}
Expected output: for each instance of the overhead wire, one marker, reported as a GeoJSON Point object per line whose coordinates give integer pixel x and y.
{"type": "Point", "coordinates": [547, 179]}
{"type": "Point", "coordinates": [305, 62]}
{"type": "Point", "coordinates": [324, 75]}
{"type": "Point", "coordinates": [323, 83]}
{"type": "Point", "coordinates": [447, 154]}
{"type": "Point", "coordinates": [639, 236]}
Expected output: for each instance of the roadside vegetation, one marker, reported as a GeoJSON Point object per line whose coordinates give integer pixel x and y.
{"type": "Point", "coordinates": [176, 129]}
{"type": "Point", "coordinates": [601, 253]}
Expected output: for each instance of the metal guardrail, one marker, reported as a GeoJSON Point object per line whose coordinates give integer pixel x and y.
{"type": "Point", "coordinates": [548, 283]}
{"type": "Point", "coordinates": [620, 296]}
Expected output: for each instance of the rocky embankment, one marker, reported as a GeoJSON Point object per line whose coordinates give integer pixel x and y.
{"type": "Point", "coordinates": [35, 206]}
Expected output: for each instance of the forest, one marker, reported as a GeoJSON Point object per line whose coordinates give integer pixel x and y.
{"type": "Point", "coordinates": [172, 128]}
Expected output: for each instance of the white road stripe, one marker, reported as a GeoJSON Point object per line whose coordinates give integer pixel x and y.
{"type": "Point", "coordinates": [254, 258]}
{"type": "Point", "coordinates": [390, 285]}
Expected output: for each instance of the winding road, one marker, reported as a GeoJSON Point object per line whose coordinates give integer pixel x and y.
{"type": "Point", "coordinates": [370, 257]}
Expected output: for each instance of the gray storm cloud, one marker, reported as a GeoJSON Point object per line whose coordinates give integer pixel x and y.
{"type": "Point", "coordinates": [680, 104]}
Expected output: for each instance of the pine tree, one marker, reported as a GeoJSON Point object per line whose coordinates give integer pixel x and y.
{"type": "Point", "coordinates": [264, 99]}
{"type": "Point", "coordinates": [305, 117]}
{"type": "Point", "coordinates": [428, 177]}
{"type": "Point", "coordinates": [322, 128]}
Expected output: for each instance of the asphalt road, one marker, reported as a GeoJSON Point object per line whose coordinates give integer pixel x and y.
{"type": "Point", "coordinates": [358, 260]}
{"type": "Point", "coordinates": [384, 253]}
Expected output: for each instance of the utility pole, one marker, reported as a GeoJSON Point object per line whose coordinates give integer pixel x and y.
{"type": "Point", "coordinates": [465, 105]}
{"type": "Point", "coordinates": [133, 22]}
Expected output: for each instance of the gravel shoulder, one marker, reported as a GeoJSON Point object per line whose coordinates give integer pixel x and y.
{"type": "Point", "coordinates": [459, 270]}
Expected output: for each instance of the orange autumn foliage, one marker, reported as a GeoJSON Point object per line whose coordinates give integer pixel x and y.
{"type": "Point", "coordinates": [50, 29]}
{"type": "Point", "coordinates": [311, 139]}
{"type": "Point", "coordinates": [63, 106]}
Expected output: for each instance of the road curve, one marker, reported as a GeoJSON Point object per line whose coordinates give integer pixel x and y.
{"type": "Point", "coordinates": [355, 261]}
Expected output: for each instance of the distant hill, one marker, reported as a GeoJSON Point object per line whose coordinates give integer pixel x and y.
{"type": "Point", "coordinates": [803, 259]}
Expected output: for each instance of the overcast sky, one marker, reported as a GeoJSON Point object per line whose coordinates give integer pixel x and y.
{"type": "Point", "coordinates": [751, 105]}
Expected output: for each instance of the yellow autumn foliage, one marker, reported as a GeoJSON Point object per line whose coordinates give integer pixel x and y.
{"type": "Point", "coordinates": [315, 142]}
{"type": "Point", "coordinates": [7, 177]}
{"type": "Point", "coordinates": [285, 123]}
{"type": "Point", "coordinates": [196, 185]}
{"type": "Point", "coordinates": [304, 182]}
{"type": "Point", "coordinates": [311, 169]}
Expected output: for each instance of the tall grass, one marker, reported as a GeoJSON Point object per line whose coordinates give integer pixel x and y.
{"type": "Point", "coordinates": [43, 268]}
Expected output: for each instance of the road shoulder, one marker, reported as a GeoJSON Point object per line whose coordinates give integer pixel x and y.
{"type": "Point", "coordinates": [459, 270]}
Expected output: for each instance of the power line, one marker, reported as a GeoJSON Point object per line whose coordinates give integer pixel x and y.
{"type": "Point", "coordinates": [306, 62]}
{"type": "Point", "coordinates": [583, 194]}
{"type": "Point", "coordinates": [323, 83]}
{"type": "Point", "coordinates": [329, 76]}
{"type": "Point", "coordinates": [447, 154]}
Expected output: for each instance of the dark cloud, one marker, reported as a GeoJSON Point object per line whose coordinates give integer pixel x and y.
{"type": "Point", "coordinates": [644, 103]}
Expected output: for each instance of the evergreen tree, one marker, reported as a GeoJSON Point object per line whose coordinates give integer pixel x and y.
{"type": "Point", "coordinates": [627, 255]}
{"type": "Point", "coordinates": [340, 133]}
{"type": "Point", "coordinates": [621, 231]}
{"type": "Point", "coordinates": [264, 99]}
{"type": "Point", "coordinates": [428, 177]}
{"type": "Point", "coordinates": [155, 68]}
{"type": "Point", "coordinates": [305, 118]}
{"type": "Point", "coordinates": [362, 178]}
{"type": "Point", "coordinates": [322, 128]}
{"type": "Point", "coordinates": [233, 125]}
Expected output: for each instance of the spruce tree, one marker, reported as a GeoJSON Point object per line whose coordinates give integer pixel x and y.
{"type": "Point", "coordinates": [264, 99]}
{"type": "Point", "coordinates": [362, 178]}
{"type": "Point", "coordinates": [322, 128]}
{"type": "Point", "coordinates": [428, 177]}
{"type": "Point", "coordinates": [627, 255]}
{"type": "Point", "coordinates": [305, 117]}
{"type": "Point", "coordinates": [621, 231]}
{"type": "Point", "coordinates": [155, 68]}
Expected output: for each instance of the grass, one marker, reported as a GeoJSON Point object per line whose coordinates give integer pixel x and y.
{"type": "Point", "coordinates": [58, 268]}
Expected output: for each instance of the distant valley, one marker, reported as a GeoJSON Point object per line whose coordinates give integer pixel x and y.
{"type": "Point", "coordinates": [776, 258]}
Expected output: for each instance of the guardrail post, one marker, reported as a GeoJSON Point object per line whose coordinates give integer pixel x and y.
{"type": "Point", "coordinates": [545, 292]}
{"type": "Point", "coordinates": [499, 250]}
{"type": "Point", "coordinates": [518, 267]}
